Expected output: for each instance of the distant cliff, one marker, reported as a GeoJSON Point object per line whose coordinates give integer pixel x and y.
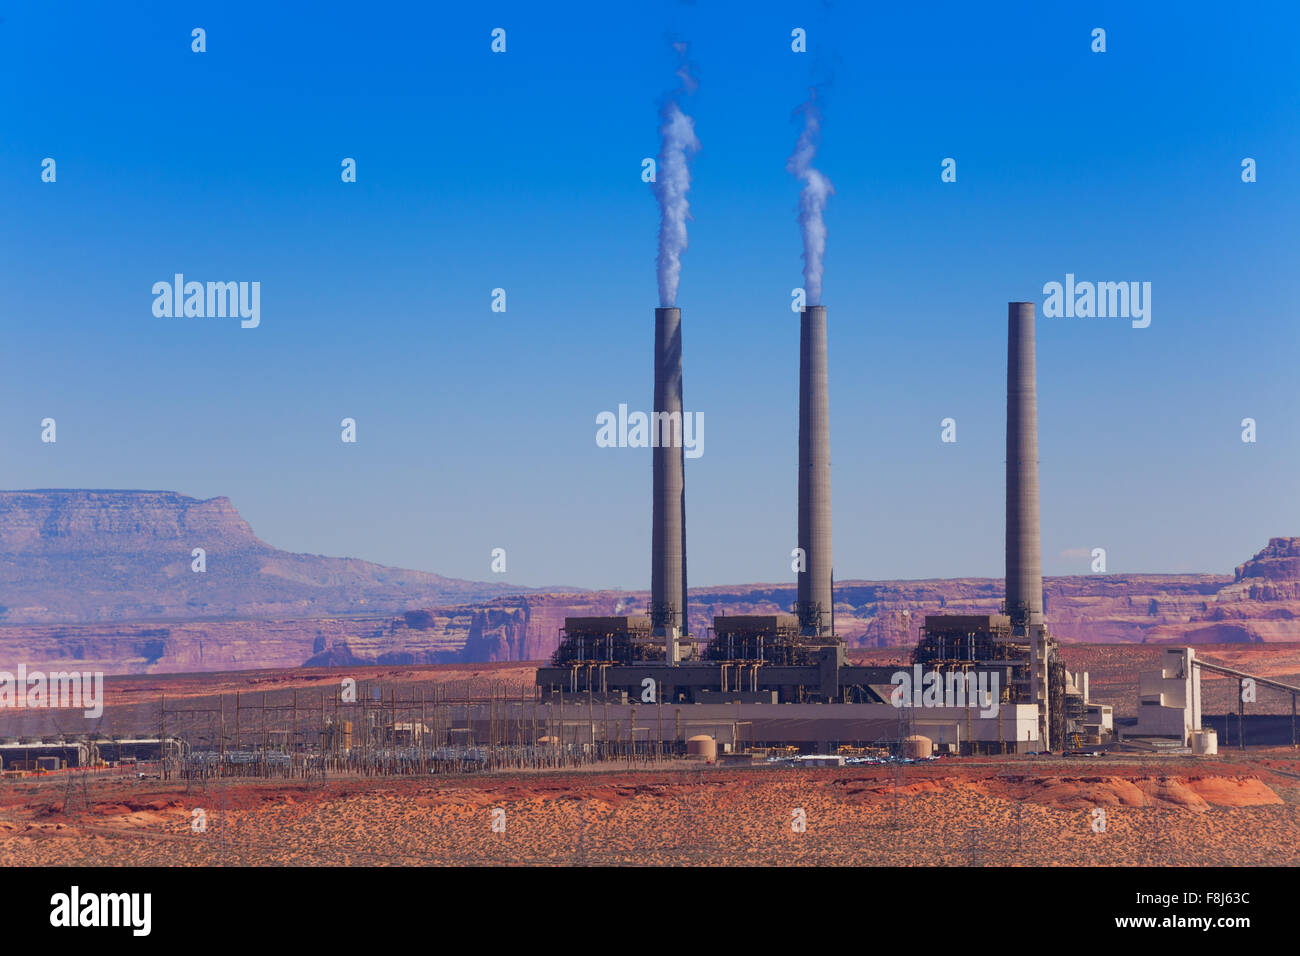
{"type": "Point", "coordinates": [1097, 609]}
{"type": "Point", "coordinates": [98, 556]}
{"type": "Point", "coordinates": [1262, 603]}
{"type": "Point", "coordinates": [102, 579]}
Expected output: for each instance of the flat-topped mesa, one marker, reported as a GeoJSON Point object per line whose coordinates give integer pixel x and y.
{"type": "Point", "coordinates": [94, 555]}
{"type": "Point", "coordinates": [83, 521]}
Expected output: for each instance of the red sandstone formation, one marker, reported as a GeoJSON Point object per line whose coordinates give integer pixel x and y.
{"type": "Point", "coordinates": [102, 580]}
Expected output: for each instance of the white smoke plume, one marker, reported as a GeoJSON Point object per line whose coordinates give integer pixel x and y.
{"type": "Point", "coordinates": [673, 180]}
{"type": "Point", "coordinates": [812, 198]}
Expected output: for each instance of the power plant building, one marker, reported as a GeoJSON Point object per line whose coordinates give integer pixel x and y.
{"type": "Point", "coordinates": [975, 683]}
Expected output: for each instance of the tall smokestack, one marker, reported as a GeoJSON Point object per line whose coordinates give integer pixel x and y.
{"type": "Point", "coordinates": [1024, 547]}
{"type": "Point", "coordinates": [814, 593]}
{"type": "Point", "coordinates": [668, 532]}
{"type": "Point", "coordinates": [1024, 550]}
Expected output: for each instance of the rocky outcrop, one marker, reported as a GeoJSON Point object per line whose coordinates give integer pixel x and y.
{"type": "Point", "coordinates": [528, 629]}
{"type": "Point", "coordinates": [1261, 603]}
{"type": "Point", "coordinates": [1270, 577]}
{"type": "Point", "coordinates": [1096, 608]}
{"type": "Point", "coordinates": [1278, 563]}
{"type": "Point", "coordinates": [174, 647]}
{"type": "Point", "coordinates": [100, 556]}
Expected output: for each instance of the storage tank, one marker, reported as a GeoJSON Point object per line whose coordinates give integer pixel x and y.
{"type": "Point", "coordinates": [1205, 742]}
{"type": "Point", "coordinates": [702, 747]}
{"type": "Point", "coordinates": [917, 747]}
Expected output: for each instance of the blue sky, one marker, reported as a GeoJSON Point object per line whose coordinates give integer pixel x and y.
{"type": "Point", "coordinates": [521, 170]}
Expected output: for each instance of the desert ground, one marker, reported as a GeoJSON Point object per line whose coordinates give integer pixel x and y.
{"type": "Point", "coordinates": [1241, 808]}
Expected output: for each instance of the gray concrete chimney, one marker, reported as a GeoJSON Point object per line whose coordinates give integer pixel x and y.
{"type": "Point", "coordinates": [1024, 550]}
{"type": "Point", "coordinates": [814, 592]}
{"type": "Point", "coordinates": [668, 531]}
{"type": "Point", "coordinates": [1024, 547]}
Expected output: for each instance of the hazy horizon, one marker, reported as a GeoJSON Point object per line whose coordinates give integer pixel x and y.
{"type": "Point", "coordinates": [554, 587]}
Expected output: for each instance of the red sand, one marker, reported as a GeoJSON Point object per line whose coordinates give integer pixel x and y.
{"type": "Point", "coordinates": [1235, 810]}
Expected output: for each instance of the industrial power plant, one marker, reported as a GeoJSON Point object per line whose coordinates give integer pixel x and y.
{"type": "Point", "coordinates": [978, 683]}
